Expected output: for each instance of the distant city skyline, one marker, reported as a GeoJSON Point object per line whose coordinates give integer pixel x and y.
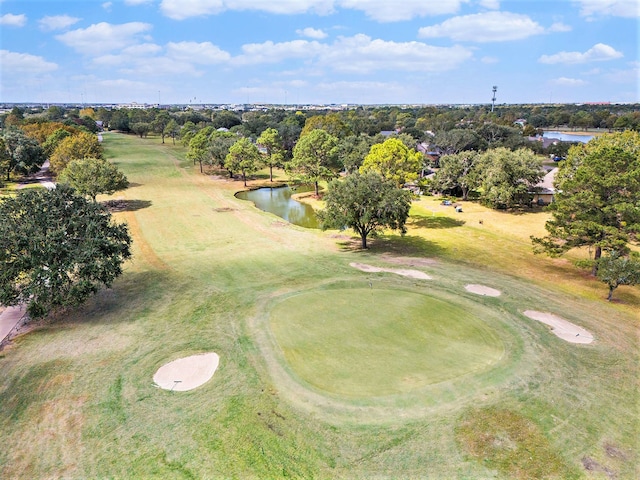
{"type": "Point", "coordinates": [319, 51]}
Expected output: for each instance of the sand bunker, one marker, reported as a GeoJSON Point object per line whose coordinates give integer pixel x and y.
{"type": "Point", "coordinates": [482, 290]}
{"type": "Point", "coordinates": [187, 373]}
{"type": "Point", "coordinates": [398, 271]}
{"type": "Point", "coordinates": [561, 327]}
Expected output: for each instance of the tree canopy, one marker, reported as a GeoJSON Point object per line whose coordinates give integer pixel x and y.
{"type": "Point", "coordinates": [597, 203]}
{"type": "Point", "coordinates": [56, 249]}
{"type": "Point", "coordinates": [244, 157]}
{"type": "Point", "coordinates": [270, 139]}
{"type": "Point", "coordinates": [393, 160]}
{"type": "Point", "coordinates": [20, 153]}
{"type": "Point", "coordinates": [315, 158]}
{"type": "Point", "coordinates": [93, 176]}
{"type": "Point", "coordinates": [509, 178]}
{"type": "Point", "coordinates": [459, 171]}
{"type": "Point", "coordinates": [367, 203]}
{"type": "Point", "coordinates": [75, 147]}
{"type": "Point", "coordinates": [615, 270]}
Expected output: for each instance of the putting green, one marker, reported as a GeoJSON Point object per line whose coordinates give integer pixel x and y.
{"type": "Point", "coordinates": [361, 343]}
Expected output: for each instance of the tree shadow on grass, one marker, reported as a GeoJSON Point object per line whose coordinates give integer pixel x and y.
{"type": "Point", "coordinates": [424, 221]}
{"type": "Point", "coordinates": [396, 245]}
{"type": "Point", "coordinates": [126, 205]}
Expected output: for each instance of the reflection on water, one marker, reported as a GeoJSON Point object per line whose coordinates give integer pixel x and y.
{"type": "Point", "coordinates": [278, 201]}
{"type": "Point", "coordinates": [566, 137]}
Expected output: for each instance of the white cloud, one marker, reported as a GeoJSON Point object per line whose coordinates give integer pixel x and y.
{"type": "Point", "coordinates": [489, 60]}
{"type": "Point", "coordinates": [597, 53]}
{"type": "Point", "coordinates": [390, 11]}
{"type": "Point", "coordinates": [12, 20]}
{"type": "Point", "coordinates": [270, 52]}
{"type": "Point", "coordinates": [107, 6]}
{"type": "Point", "coordinates": [379, 10]}
{"type": "Point", "coordinates": [204, 53]}
{"type": "Point", "coordinates": [490, 4]}
{"type": "Point", "coordinates": [614, 8]}
{"type": "Point", "coordinates": [311, 33]}
{"type": "Point", "coordinates": [103, 37]}
{"type": "Point", "coordinates": [57, 22]}
{"type": "Point", "coordinates": [181, 9]}
{"type": "Point", "coordinates": [560, 27]}
{"type": "Point", "coordinates": [360, 54]}
{"type": "Point", "coordinates": [485, 27]}
{"type": "Point", "coordinates": [568, 82]}
{"type": "Point", "coordinates": [24, 63]}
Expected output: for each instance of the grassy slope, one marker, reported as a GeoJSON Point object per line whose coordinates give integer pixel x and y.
{"type": "Point", "coordinates": [77, 398]}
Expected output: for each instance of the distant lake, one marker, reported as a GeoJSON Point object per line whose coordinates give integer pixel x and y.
{"type": "Point", "coordinates": [566, 137]}
{"type": "Point", "coordinates": [278, 201]}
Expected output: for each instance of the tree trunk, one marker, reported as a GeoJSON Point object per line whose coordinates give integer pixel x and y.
{"type": "Point", "coordinates": [596, 257]}
{"type": "Point", "coordinates": [270, 173]}
{"type": "Point", "coordinates": [244, 177]}
{"type": "Point", "coordinates": [162, 138]}
{"type": "Point", "coordinates": [364, 240]}
{"type": "Point", "coordinates": [200, 162]}
{"type": "Point", "coordinates": [465, 193]}
{"type": "Point", "coordinates": [317, 190]}
{"type": "Point", "coordinates": [611, 289]}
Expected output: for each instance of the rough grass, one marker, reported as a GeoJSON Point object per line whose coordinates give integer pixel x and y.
{"type": "Point", "coordinates": [77, 398]}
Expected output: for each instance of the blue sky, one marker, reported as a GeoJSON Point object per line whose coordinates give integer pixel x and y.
{"type": "Point", "coordinates": [319, 51]}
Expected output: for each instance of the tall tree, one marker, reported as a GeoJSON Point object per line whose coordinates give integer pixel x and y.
{"type": "Point", "coordinates": [459, 171]}
{"type": "Point", "coordinates": [271, 141]}
{"type": "Point", "coordinates": [597, 203]}
{"type": "Point", "coordinates": [615, 270]}
{"type": "Point", "coordinates": [219, 144]}
{"type": "Point", "coordinates": [93, 176]}
{"type": "Point", "coordinates": [56, 249]}
{"type": "Point", "coordinates": [509, 178]}
{"type": "Point", "coordinates": [198, 150]}
{"type": "Point", "coordinates": [394, 161]}
{"type": "Point", "coordinates": [75, 147]}
{"type": "Point", "coordinates": [172, 129]}
{"type": "Point", "coordinates": [315, 158]}
{"type": "Point", "coordinates": [367, 203]}
{"type": "Point", "coordinates": [159, 124]}
{"type": "Point", "coordinates": [21, 153]}
{"type": "Point", "coordinates": [243, 157]}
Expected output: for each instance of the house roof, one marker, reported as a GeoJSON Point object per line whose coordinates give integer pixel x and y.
{"type": "Point", "coordinates": [546, 184]}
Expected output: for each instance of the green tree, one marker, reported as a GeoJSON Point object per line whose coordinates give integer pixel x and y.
{"type": "Point", "coordinates": [141, 128]}
{"type": "Point", "coordinates": [75, 147]}
{"type": "Point", "coordinates": [219, 144]}
{"type": "Point", "coordinates": [367, 203]}
{"type": "Point", "coordinates": [509, 178]}
{"type": "Point", "coordinates": [56, 249]}
{"type": "Point", "coordinates": [394, 161]}
{"type": "Point", "coordinates": [160, 123]}
{"type": "Point", "coordinates": [597, 203]}
{"type": "Point", "coordinates": [244, 157]}
{"type": "Point", "coordinates": [352, 150]}
{"type": "Point", "coordinates": [270, 139]}
{"type": "Point", "coordinates": [331, 123]}
{"type": "Point", "coordinates": [459, 171]}
{"type": "Point", "coordinates": [198, 150]}
{"type": "Point", "coordinates": [93, 176]}
{"type": "Point", "coordinates": [172, 129]}
{"type": "Point", "coordinates": [52, 141]}
{"type": "Point", "coordinates": [615, 270]}
{"type": "Point", "coordinates": [315, 158]}
{"type": "Point", "coordinates": [21, 153]}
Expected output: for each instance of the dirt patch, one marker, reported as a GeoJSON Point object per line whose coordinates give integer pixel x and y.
{"type": "Point", "coordinates": [187, 373]}
{"type": "Point", "coordinates": [561, 328]}
{"type": "Point", "coordinates": [410, 261]}
{"type": "Point", "coordinates": [591, 465]}
{"type": "Point", "coordinates": [482, 290]}
{"type": "Point", "coordinates": [398, 271]}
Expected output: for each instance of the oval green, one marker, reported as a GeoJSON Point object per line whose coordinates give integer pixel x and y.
{"type": "Point", "coordinates": [362, 343]}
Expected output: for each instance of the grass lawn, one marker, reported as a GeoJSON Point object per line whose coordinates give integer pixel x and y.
{"type": "Point", "coordinates": [462, 386]}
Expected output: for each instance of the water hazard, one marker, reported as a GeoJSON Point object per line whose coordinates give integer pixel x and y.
{"type": "Point", "coordinates": [278, 201]}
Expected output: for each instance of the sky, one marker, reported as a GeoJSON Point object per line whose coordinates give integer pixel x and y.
{"type": "Point", "coordinates": [319, 51]}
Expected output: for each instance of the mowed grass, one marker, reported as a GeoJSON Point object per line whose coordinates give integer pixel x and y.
{"type": "Point", "coordinates": [369, 343]}
{"type": "Point", "coordinates": [76, 392]}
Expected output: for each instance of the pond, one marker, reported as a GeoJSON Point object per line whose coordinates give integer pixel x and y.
{"type": "Point", "coordinates": [278, 200]}
{"type": "Point", "coordinates": [569, 137]}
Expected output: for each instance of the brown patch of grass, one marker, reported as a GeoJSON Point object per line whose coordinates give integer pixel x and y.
{"type": "Point", "coordinates": [512, 444]}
